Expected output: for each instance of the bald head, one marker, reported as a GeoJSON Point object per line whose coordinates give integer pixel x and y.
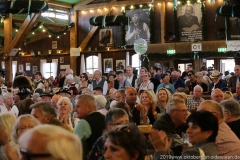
{"type": "Point", "coordinates": [217, 95]}
{"type": "Point", "coordinates": [213, 107]}
{"type": "Point", "coordinates": [55, 99]}
{"type": "Point", "coordinates": [174, 76]}
{"type": "Point", "coordinates": [68, 71]}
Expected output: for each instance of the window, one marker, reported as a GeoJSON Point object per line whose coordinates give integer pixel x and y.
{"type": "Point", "coordinates": [227, 65]}
{"type": "Point", "coordinates": [136, 62]}
{"type": "Point", "coordinates": [56, 13]}
{"type": "Point", "coordinates": [92, 64]}
{"type": "Point", "coordinates": [48, 69]}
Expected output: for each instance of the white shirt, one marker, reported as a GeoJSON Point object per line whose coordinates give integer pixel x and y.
{"type": "Point", "coordinates": [129, 79]}
{"type": "Point", "coordinates": [14, 110]}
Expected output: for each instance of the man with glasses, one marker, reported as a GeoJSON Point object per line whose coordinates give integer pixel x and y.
{"type": "Point", "coordinates": [174, 123]}
{"type": "Point", "coordinates": [45, 142]}
{"type": "Point", "coordinates": [227, 143]}
{"type": "Point", "coordinates": [234, 80]}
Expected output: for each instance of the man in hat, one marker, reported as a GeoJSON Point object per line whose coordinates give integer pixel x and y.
{"type": "Point", "coordinates": [46, 97]}
{"type": "Point", "coordinates": [217, 81]}
{"type": "Point", "coordinates": [234, 80]}
{"type": "Point", "coordinates": [136, 29]}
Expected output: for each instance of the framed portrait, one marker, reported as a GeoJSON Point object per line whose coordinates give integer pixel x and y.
{"type": "Point", "coordinates": [20, 67]}
{"type": "Point", "coordinates": [138, 26]}
{"type": "Point", "coordinates": [120, 65]}
{"type": "Point", "coordinates": [189, 22]}
{"type": "Point", "coordinates": [61, 59]}
{"type": "Point", "coordinates": [108, 65]}
{"type": "Point", "coordinates": [34, 69]}
{"type": "Point", "coordinates": [105, 37]}
{"type": "Point", "coordinates": [54, 44]}
{"type": "Point", "coordinates": [28, 67]}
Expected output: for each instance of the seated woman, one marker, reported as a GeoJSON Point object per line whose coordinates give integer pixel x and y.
{"type": "Point", "coordinates": [114, 118]}
{"type": "Point", "coordinates": [163, 96]}
{"type": "Point", "coordinates": [47, 86]}
{"type": "Point", "coordinates": [70, 82]}
{"type": "Point", "coordinates": [84, 82]}
{"type": "Point", "coordinates": [199, 78]}
{"type": "Point", "coordinates": [147, 84]}
{"type": "Point", "coordinates": [150, 107]}
{"type": "Point", "coordinates": [166, 84]}
{"type": "Point", "coordinates": [201, 134]}
{"type": "Point", "coordinates": [126, 142]}
{"type": "Point", "coordinates": [64, 112]}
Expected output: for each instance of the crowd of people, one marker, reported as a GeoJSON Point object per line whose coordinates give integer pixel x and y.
{"type": "Point", "coordinates": [93, 117]}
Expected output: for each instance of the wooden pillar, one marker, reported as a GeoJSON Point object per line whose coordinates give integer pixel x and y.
{"type": "Point", "coordinates": [163, 20]}
{"type": "Point", "coordinates": [73, 43]}
{"type": "Point", "coordinates": [7, 42]}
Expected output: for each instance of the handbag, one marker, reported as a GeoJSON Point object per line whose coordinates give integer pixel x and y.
{"type": "Point", "coordinates": [202, 154]}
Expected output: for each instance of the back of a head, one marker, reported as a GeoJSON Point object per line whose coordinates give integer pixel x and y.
{"type": "Point", "coordinates": [45, 107]}
{"type": "Point", "coordinates": [123, 106]}
{"type": "Point", "coordinates": [211, 106]}
{"type": "Point", "coordinates": [101, 101]}
{"type": "Point", "coordinates": [60, 143]}
{"type": "Point", "coordinates": [208, 123]}
{"type": "Point", "coordinates": [24, 107]}
{"type": "Point", "coordinates": [7, 121]}
{"type": "Point", "coordinates": [232, 106]}
{"type": "Point", "coordinates": [87, 100]}
{"type": "Point", "coordinates": [172, 104]}
{"type": "Point", "coordinates": [114, 114]}
{"type": "Point", "coordinates": [86, 90]}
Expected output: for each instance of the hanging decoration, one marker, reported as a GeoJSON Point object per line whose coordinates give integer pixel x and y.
{"type": "Point", "coordinates": [140, 46]}
{"type": "Point", "coordinates": [196, 56]}
{"type": "Point", "coordinates": [111, 20]}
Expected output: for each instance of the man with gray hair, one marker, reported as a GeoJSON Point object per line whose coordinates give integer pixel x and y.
{"type": "Point", "coordinates": [231, 112]}
{"type": "Point", "coordinates": [131, 78]}
{"type": "Point", "coordinates": [173, 122]}
{"type": "Point", "coordinates": [217, 95]}
{"type": "Point", "coordinates": [49, 140]}
{"type": "Point", "coordinates": [86, 90]}
{"type": "Point", "coordinates": [99, 82]}
{"type": "Point", "coordinates": [91, 124]}
{"type": "Point", "coordinates": [227, 143]}
{"type": "Point", "coordinates": [8, 105]}
{"type": "Point", "coordinates": [45, 113]}
{"type": "Point", "coordinates": [194, 101]}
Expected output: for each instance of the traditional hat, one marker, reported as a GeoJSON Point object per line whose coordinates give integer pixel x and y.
{"type": "Point", "coordinates": [216, 74]}
{"type": "Point", "coordinates": [24, 91]}
{"type": "Point", "coordinates": [63, 90]}
{"type": "Point", "coordinates": [46, 94]}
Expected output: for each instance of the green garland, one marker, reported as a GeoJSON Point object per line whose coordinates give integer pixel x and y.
{"type": "Point", "coordinates": [154, 56]}
{"type": "Point", "coordinates": [59, 33]}
{"type": "Point", "coordinates": [204, 22]}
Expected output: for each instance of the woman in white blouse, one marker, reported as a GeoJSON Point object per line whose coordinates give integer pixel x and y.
{"type": "Point", "coordinates": [147, 84]}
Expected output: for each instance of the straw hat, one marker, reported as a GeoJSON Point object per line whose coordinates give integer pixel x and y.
{"type": "Point", "coordinates": [216, 74]}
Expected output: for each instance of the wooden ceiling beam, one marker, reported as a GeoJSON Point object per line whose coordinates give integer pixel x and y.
{"type": "Point", "coordinates": [37, 38]}
{"type": "Point", "coordinates": [81, 4]}
{"type": "Point", "coordinates": [47, 24]}
{"type": "Point", "coordinates": [23, 32]}
{"type": "Point", "coordinates": [59, 4]}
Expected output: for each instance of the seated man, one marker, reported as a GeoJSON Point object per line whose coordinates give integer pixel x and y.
{"type": "Point", "coordinates": [91, 124]}
{"type": "Point", "coordinates": [231, 110]}
{"type": "Point", "coordinates": [217, 95]}
{"type": "Point", "coordinates": [45, 113]}
{"type": "Point", "coordinates": [194, 101]}
{"type": "Point", "coordinates": [227, 143]}
{"type": "Point", "coordinates": [49, 140]}
{"type": "Point", "coordinates": [217, 81]}
{"type": "Point", "coordinates": [120, 82]}
{"type": "Point", "coordinates": [174, 123]}
{"type": "Point", "coordinates": [176, 81]}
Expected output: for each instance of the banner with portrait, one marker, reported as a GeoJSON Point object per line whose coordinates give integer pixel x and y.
{"type": "Point", "coordinates": [138, 27]}
{"type": "Point", "coordinates": [189, 22]}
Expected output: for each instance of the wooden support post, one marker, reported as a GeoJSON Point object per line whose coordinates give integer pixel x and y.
{"type": "Point", "coordinates": [73, 43]}
{"type": "Point", "coordinates": [163, 21]}
{"type": "Point", "coordinates": [23, 32]}
{"type": "Point", "coordinates": [7, 42]}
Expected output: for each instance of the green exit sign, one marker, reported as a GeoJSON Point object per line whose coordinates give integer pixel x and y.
{"type": "Point", "coordinates": [171, 52]}
{"type": "Point", "coordinates": [222, 49]}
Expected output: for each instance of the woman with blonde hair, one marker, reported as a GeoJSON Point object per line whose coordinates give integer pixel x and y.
{"type": "Point", "coordinates": [65, 108]}
{"type": "Point", "coordinates": [7, 121]}
{"type": "Point", "coordinates": [163, 96]}
{"type": "Point", "coordinates": [150, 107]}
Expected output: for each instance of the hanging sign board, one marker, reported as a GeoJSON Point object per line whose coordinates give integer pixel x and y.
{"type": "Point", "coordinates": [74, 51]}
{"type": "Point", "coordinates": [196, 47]}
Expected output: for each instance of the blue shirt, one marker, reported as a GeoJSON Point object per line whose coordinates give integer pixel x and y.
{"type": "Point", "coordinates": [163, 86]}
